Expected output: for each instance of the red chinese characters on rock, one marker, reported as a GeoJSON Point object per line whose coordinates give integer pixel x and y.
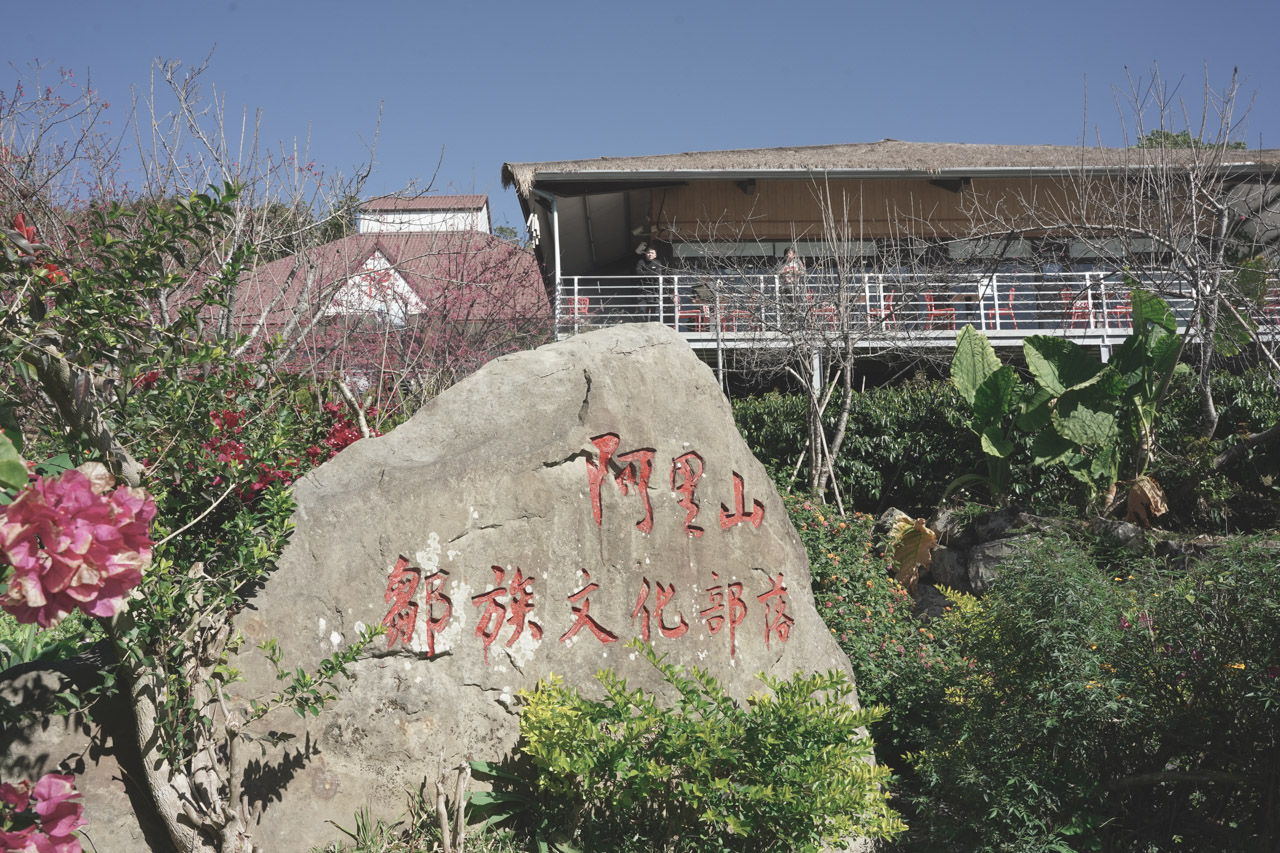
{"type": "Point", "coordinates": [637, 468]}
{"type": "Point", "coordinates": [663, 598]}
{"type": "Point", "coordinates": [434, 585]}
{"type": "Point", "coordinates": [727, 606]}
{"type": "Point", "coordinates": [581, 602]}
{"type": "Point", "coordinates": [496, 613]}
{"type": "Point", "coordinates": [688, 468]}
{"type": "Point", "coordinates": [634, 470]}
{"type": "Point", "coordinates": [607, 445]}
{"type": "Point", "coordinates": [403, 614]}
{"type": "Point", "coordinates": [776, 619]}
{"type": "Point", "coordinates": [738, 516]}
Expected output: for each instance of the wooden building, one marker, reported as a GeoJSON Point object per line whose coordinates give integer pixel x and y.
{"type": "Point", "coordinates": [925, 236]}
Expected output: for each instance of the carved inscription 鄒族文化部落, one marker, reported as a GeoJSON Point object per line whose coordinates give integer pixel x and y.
{"type": "Point", "coordinates": [512, 605]}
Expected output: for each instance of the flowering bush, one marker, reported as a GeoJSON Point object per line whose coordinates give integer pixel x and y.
{"type": "Point", "coordinates": [71, 544]}
{"type": "Point", "coordinates": [40, 818]}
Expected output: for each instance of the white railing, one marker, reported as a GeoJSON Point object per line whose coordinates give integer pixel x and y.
{"type": "Point", "coordinates": [739, 309]}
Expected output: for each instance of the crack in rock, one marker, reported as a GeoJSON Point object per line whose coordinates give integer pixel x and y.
{"type": "Point", "coordinates": [586, 397]}
{"type": "Point", "coordinates": [572, 457]}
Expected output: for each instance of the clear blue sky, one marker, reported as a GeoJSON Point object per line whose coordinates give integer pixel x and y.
{"type": "Point", "coordinates": [495, 82]}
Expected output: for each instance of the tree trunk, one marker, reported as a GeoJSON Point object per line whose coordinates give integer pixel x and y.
{"type": "Point", "coordinates": [842, 424]}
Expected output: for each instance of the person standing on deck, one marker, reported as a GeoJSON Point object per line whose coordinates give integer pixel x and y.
{"type": "Point", "coordinates": [650, 271]}
{"type": "Point", "coordinates": [790, 272]}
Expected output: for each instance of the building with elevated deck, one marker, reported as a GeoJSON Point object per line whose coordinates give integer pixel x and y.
{"type": "Point", "coordinates": [902, 243]}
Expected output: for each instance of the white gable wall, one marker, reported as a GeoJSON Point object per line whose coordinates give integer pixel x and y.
{"type": "Point", "coordinates": [376, 290]}
{"type": "Point", "coordinates": [374, 221]}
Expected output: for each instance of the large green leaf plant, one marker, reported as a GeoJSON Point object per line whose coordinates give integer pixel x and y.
{"type": "Point", "coordinates": [1096, 419]}
{"type": "Point", "coordinates": [994, 394]}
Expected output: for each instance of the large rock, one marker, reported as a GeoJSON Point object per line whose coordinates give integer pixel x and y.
{"type": "Point", "coordinates": [530, 520]}
{"type": "Point", "coordinates": [985, 560]}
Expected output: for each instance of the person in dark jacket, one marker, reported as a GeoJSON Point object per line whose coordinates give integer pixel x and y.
{"type": "Point", "coordinates": [649, 268]}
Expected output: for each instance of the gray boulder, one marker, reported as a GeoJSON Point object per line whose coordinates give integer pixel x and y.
{"type": "Point", "coordinates": [1130, 537]}
{"type": "Point", "coordinates": [985, 560]}
{"type": "Point", "coordinates": [531, 520]}
{"type": "Point", "coordinates": [950, 568]}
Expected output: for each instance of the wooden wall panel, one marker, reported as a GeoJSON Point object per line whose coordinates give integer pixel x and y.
{"type": "Point", "coordinates": [793, 209]}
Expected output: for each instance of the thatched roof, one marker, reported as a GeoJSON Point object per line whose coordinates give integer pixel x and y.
{"type": "Point", "coordinates": [887, 158]}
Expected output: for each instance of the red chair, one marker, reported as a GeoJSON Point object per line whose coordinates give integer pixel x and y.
{"type": "Point", "coordinates": [884, 315]}
{"type": "Point", "coordinates": [1121, 313]}
{"type": "Point", "coordinates": [826, 317]}
{"type": "Point", "coordinates": [737, 320]}
{"type": "Point", "coordinates": [1074, 308]}
{"type": "Point", "coordinates": [694, 319]}
{"type": "Point", "coordinates": [577, 310]}
{"type": "Point", "coordinates": [1007, 311]}
{"type": "Point", "coordinates": [934, 313]}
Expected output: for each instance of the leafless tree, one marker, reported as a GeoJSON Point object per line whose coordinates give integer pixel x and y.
{"type": "Point", "coordinates": [1182, 209]}
{"type": "Point", "coordinates": [855, 294]}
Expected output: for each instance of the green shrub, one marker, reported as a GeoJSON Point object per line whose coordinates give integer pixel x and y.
{"type": "Point", "coordinates": [1245, 493]}
{"type": "Point", "coordinates": [904, 445]}
{"type": "Point", "coordinates": [789, 771]}
{"type": "Point", "coordinates": [1131, 708]}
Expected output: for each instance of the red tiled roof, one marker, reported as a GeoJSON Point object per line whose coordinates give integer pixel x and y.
{"type": "Point", "coordinates": [461, 275]}
{"type": "Point", "coordinates": [426, 202]}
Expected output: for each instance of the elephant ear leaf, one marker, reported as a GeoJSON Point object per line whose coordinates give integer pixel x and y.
{"type": "Point", "coordinates": [1059, 364]}
{"type": "Point", "coordinates": [994, 397]}
{"type": "Point", "coordinates": [973, 363]}
{"type": "Point", "coordinates": [995, 444]}
{"type": "Point", "coordinates": [1036, 410]}
{"type": "Point", "coordinates": [1086, 419]}
{"type": "Point", "coordinates": [1050, 448]}
{"type": "Point", "coordinates": [13, 471]}
{"type": "Point", "coordinates": [913, 544]}
{"type": "Point", "coordinates": [1151, 309]}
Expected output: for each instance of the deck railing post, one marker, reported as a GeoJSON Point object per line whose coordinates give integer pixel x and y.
{"type": "Point", "coordinates": [1088, 300]}
{"type": "Point", "coordinates": [995, 304]}
{"type": "Point", "coordinates": [675, 302]}
{"type": "Point", "coordinates": [576, 314]}
{"type": "Point", "coordinates": [866, 299]}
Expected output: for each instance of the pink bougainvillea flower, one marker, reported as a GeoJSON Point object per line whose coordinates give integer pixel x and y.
{"type": "Point", "coordinates": [72, 545]}
{"type": "Point", "coordinates": [52, 811]}
{"type": "Point", "coordinates": [16, 795]}
{"type": "Point", "coordinates": [26, 840]}
{"type": "Point", "coordinates": [58, 807]}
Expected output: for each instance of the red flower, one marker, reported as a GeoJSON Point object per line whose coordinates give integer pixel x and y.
{"type": "Point", "coordinates": [58, 813]}
{"type": "Point", "coordinates": [146, 380]}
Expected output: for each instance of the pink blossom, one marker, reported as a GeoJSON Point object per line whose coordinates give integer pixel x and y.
{"type": "Point", "coordinates": [16, 795]}
{"type": "Point", "coordinates": [59, 816]}
{"type": "Point", "coordinates": [70, 545]}
{"type": "Point", "coordinates": [58, 813]}
{"type": "Point", "coordinates": [27, 840]}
